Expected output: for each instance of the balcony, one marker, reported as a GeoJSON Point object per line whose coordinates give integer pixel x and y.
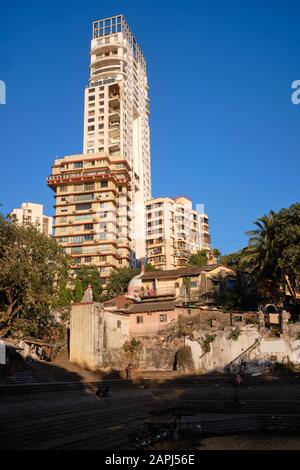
{"type": "Point", "coordinates": [159, 292]}
{"type": "Point", "coordinates": [114, 145]}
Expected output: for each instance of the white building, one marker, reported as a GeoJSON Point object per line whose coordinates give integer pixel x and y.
{"type": "Point", "coordinates": [116, 112]}
{"type": "Point", "coordinates": [31, 213]}
{"type": "Point", "coordinates": [174, 231]}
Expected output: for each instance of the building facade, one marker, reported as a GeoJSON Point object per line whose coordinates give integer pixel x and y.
{"type": "Point", "coordinates": [101, 194]}
{"type": "Point", "coordinates": [93, 210]}
{"type": "Point", "coordinates": [31, 213]}
{"type": "Point", "coordinates": [116, 111]}
{"type": "Point", "coordinates": [174, 230]}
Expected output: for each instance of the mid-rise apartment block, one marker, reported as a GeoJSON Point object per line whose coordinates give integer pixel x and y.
{"type": "Point", "coordinates": [31, 213]}
{"type": "Point", "coordinates": [174, 231]}
{"type": "Point", "coordinates": [93, 210]}
{"type": "Point", "coordinates": [101, 194]}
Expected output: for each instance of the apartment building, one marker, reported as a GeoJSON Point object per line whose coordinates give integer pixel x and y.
{"type": "Point", "coordinates": [116, 112]}
{"type": "Point", "coordinates": [101, 194]}
{"type": "Point", "coordinates": [174, 231]}
{"type": "Point", "coordinates": [31, 213]}
{"type": "Point", "coordinates": [93, 210]}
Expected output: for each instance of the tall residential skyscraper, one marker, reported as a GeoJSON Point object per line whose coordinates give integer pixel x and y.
{"type": "Point", "coordinates": [174, 231]}
{"type": "Point", "coordinates": [116, 111]}
{"type": "Point", "coordinates": [101, 194]}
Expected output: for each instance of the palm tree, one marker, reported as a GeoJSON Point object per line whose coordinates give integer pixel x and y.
{"type": "Point", "coordinates": [259, 257]}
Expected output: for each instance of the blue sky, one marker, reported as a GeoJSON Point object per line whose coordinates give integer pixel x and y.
{"type": "Point", "coordinates": [223, 128]}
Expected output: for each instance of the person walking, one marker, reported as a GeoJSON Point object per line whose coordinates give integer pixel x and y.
{"type": "Point", "coordinates": [128, 372]}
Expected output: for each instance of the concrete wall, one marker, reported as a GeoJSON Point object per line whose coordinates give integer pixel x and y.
{"type": "Point", "coordinates": [152, 323]}
{"type": "Point", "coordinates": [97, 336]}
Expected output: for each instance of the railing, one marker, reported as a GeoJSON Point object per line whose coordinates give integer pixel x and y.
{"type": "Point", "coordinates": [160, 292]}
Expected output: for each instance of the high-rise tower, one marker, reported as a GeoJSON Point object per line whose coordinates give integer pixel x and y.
{"type": "Point", "coordinates": [101, 194]}
{"type": "Point", "coordinates": [116, 111]}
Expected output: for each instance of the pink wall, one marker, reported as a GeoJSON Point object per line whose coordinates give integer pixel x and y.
{"type": "Point", "coordinates": [151, 322]}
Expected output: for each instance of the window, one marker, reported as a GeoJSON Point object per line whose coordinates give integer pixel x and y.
{"type": "Point", "coordinates": [78, 239]}
{"type": "Point", "coordinates": [91, 128]}
{"type": "Point", "coordinates": [76, 249]}
{"type": "Point", "coordinates": [88, 227]}
{"type": "Point", "coordinates": [88, 237]}
{"type": "Point", "coordinates": [104, 184]}
{"type": "Point", "coordinates": [83, 207]}
{"type": "Point", "coordinates": [89, 186]}
{"type": "Point", "coordinates": [118, 324]}
{"type": "Point", "coordinates": [140, 319]}
{"type": "Point", "coordinates": [163, 317]}
{"type": "Point", "coordinates": [92, 98]}
{"type": "Point", "coordinates": [84, 197]}
{"type": "Point", "coordinates": [102, 258]}
{"type": "Point", "coordinates": [87, 259]}
{"type": "Point", "coordinates": [78, 165]}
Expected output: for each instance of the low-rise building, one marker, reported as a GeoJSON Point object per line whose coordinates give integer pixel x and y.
{"type": "Point", "coordinates": [188, 284]}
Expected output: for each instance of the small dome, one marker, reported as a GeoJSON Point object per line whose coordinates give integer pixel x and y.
{"type": "Point", "coordinates": [134, 285]}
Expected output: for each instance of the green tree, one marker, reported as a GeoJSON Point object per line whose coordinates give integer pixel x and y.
{"type": "Point", "coordinates": [198, 259]}
{"type": "Point", "coordinates": [118, 281]}
{"type": "Point", "coordinates": [273, 253]}
{"type": "Point", "coordinates": [232, 260]}
{"type": "Point", "coordinates": [88, 275]}
{"type": "Point", "coordinates": [150, 267]}
{"type": "Point", "coordinates": [78, 290]}
{"type": "Point", "coordinates": [217, 254]}
{"type": "Point", "coordinates": [65, 295]}
{"type": "Point", "coordinates": [32, 267]}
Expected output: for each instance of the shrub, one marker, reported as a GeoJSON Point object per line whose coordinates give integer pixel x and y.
{"type": "Point", "coordinates": [207, 340]}
{"type": "Point", "coordinates": [235, 334]}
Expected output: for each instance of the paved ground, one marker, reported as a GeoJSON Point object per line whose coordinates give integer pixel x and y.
{"type": "Point", "coordinates": [55, 407]}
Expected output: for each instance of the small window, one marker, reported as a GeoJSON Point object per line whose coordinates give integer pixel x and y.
{"type": "Point", "coordinates": [104, 184]}
{"type": "Point", "coordinates": [78, 165]}
{"type": "Point", "coordinates": [140, 319]}
{"type": "Point", "coordinates": [118, 324]}
{"type": "Point", "coordinates": [163, 317]}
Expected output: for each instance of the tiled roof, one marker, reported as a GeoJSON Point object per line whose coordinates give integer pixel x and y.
{"type": "Point", "coordinates": [174, 273]}
{"type": "Point", "coordinates": [150, 307]}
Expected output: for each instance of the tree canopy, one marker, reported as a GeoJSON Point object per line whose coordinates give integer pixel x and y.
{"type": "Point", "coordinates": [118, 281]}
{"type": "Point", "coordinates": [32, 266]}
{"type": "Point", "coordinates": [273, 253]}
{"type": "Point", "coordinates": [198, 259]}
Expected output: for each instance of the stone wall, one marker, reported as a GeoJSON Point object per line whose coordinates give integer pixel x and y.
{"type": "Point", "coordinates": [218, 340]}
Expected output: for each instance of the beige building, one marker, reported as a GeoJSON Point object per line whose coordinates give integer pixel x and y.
{"type": "Point", "coordinates": [93, 210]}
{"type": "Point", "coordinates": [100, 194]}
{"type": "Point", "coordinates": [31, 213]}
{"type": "Point", "coordinates": [174, 230]}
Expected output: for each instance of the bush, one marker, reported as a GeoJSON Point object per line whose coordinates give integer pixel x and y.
{"type": "Point", "coordinates": [206, 342]}
{"type": "Point", "coordinates": [235, 334]}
